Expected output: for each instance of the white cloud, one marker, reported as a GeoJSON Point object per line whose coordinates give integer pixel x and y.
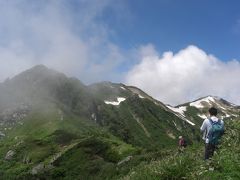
{"type": "Point", "coordinates": [71, 36]}
{"type": "Point", "coordinates": [67, 35]}
{"type": "Point", "coordinates": [185, 76]}
{"type": "Point", "coordinates": [147, 50]}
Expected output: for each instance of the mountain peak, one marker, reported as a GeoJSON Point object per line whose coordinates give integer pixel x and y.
{"type": "Point", "coordinates": [36, 72]}
{"type": "Point", "coordinates": [205, 101]}
{"type": "Point", "coordinates": [209, 101]}
{"type": "Point", "coordinates": [209, 98]}
{"type": "Point", "coordinates": [40, 69]}
{"type": "Point", "coordinates": [39, 66]}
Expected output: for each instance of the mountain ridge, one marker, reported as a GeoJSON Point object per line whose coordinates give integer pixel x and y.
{"type": "Point", "coordinates": [51, 116]}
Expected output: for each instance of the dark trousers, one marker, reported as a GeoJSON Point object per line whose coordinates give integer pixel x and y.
{"type": "Point", "coordinates": [209, 150]}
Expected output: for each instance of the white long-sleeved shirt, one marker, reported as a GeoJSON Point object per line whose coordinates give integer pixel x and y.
{"type": "Point", "coordinates": [206, 126]}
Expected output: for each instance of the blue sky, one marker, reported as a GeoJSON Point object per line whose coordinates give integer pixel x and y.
{"type": "Point", "coordinates": [176, 51]}
{"type": "Point", "coordinates": [172, 25]}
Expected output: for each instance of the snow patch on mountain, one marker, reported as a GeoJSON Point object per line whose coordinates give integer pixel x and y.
{"type": "Point", "coordinates": [227, 115]}
{"type": "Point", "coordinates": [140, 96]}
{"type": "Point", "coordinates": [174, 123]}
{"type": "Point", "coordinates": [180, 109]}
{"type": "Point", "coordinates": [234, 105]}
{"type": "Point", "coordinates": [203, 116]}
{"type": "Point", "coordinates": [223, 108]}
{"type": "Point", "coordinates": [116, 103]}
{"type": "Point", "coordinates": [180, 113]}
{"type": "Point", "coordinates": [189, 122]}
{"type": "Point", "coordinates": [123, 88]}
{"type": "Point", "coordinates": [198, 104]}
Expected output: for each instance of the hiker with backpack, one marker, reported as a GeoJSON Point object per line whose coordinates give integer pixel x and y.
{"type": "Point", "coordinates": [182, 144]}
{"type": "Point", "coordinates": [213, 129]}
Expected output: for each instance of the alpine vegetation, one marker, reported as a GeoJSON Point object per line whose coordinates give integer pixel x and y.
{"type": "Point", "coordinates": [53, 126]}
{"type": "Point", "coordinates": [119, 89]}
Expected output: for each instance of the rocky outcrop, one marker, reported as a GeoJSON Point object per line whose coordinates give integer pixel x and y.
{"type": "Point", "coordinates": [9, 155]}
{"type": "Point", "coordinates": [125, 160]}
{"type": "Point", "coordinates": [26, 159]}
{"type": "Point", "coordinates": [11, 116]}
{"type": "Point", "coordinates": [38, 168]}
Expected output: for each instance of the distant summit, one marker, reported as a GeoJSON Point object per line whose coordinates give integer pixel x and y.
{"type": "Point", "coordinates": [197, 110]}
{"type": "Point", "coordinates": [37, 72]}
{"type": "Point", "coordinates": [39, 67]}
{"type": "Point", "coordinates": [125, 111]}
{"type": "Point", "coordinates": [50, 120]}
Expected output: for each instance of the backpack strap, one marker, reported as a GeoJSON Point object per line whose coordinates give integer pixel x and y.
{"type": "Point", "coordinates": [211, 121]}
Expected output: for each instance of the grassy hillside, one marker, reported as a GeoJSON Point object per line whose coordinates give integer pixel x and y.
{"type": "Point", "coordinates": [142, 123]}
{"type": "Point", "coordinates": [64, 155]}
{"type": "Point", "coordinates": [140, 119]}
{"type": "Point", "coordinates": [190, 164]}
{"type": "Point", "coordinates": [49, 146]}
{"type": "Point", "coordinates": [54, 127]}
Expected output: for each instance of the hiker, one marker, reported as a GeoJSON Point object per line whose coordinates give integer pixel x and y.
{"type": "Point", "coordinates": [213, 129]}
{"type": "Point", "coordinates": [181, 144]}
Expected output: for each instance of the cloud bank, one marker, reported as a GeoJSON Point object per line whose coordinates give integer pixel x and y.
{"type": "Point", "coordinates": [67, 35]}
{"type": "Point", "coordinates": [72, 36]}
{"type": "Point", "coordinates": [189, 74]}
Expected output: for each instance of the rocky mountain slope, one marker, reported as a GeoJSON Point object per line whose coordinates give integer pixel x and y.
{"type": "Point", "coordinates": [145, 114]}
{"type": "Point", "coordinates": [54, 126]}
{"type": "Point", "coordinates": [197, 110]}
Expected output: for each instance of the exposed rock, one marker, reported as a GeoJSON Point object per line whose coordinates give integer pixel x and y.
{"type": "Point", "coordinates": [171, 135]}
{"type": "Point", "coordinates": [26, 160]}
{"type": "Point", "coordinates": [94, 117]}
{"type": "Point", "coordinates": [9, 155]}
{"type": "Point", "coordinates": [2, 134]}
{"type": "Point", "coordinates": [38, 168]}
{"type": "Point", "coordinates": [18, 143]}
{"type": "Point", "coordinates": [49, 166]}
{"type": "Point", "coordinates": [13, 115]}
{"type": "Point", "coordinates": [124, 160]}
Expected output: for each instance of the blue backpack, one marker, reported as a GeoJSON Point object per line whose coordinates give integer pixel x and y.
{"type": "Point", "coordinates": [215, 132]}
